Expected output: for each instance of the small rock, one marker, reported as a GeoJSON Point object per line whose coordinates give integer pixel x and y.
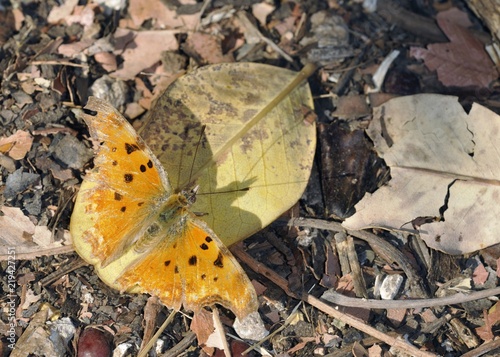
{"type": "Point", "coordinates": [390, 286]}
{"type": "Point", "coordinates": [18, 182]}
{"type": "Point", "coordinates": [70, 151]}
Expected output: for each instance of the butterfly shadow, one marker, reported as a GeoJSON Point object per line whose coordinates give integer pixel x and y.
{"type": "Point", "coordinates": [181, 141]}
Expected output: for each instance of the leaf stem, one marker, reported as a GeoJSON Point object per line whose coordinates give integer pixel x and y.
{"type": "Point", "coordinates": [308, 70]}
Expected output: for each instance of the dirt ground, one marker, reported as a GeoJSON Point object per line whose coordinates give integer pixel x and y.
{"type": "Point", "coordinates": [54, 55]}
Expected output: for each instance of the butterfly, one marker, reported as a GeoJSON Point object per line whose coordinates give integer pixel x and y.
{"type": "Point", "coordinates": [140, 235]}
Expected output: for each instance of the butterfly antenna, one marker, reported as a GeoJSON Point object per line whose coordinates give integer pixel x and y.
{"type": "Point", "coordinates": [202, 132]}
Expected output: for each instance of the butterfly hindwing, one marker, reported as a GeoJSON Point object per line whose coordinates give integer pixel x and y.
{"type": "Point", "coordinates": [194, 269]}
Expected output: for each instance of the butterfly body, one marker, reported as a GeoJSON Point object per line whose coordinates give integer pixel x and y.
{"type": "Point", "coordinates": [142, 237]}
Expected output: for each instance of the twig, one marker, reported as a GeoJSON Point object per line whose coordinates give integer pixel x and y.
{"type": "Point", "coordinates": [145, 349]}
{"type": "Point", "coordinates": [262, 269]}
{"type": "Point", "coordinates": [458, 298]}
{"type": "Point", "coordinates": [62, 270]}
{"type": "Point", "coordinates": [352, 321]}
{"type": "Point", "coordinates": [182, 346]}
{"type": "Point", "coordinates": [395, 14]}
{"type": "Point", "coordinates": [60, 63]}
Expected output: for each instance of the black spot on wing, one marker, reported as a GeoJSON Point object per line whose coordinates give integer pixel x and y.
{"type": "Point", "coordinates": [219, 262]}
{"type": "Point", "coordinates": [167, 263]}
{"type": "Point", "coordinates": [192, 260]}
{"type": "Point", "coordinates": [130, 148]}
{"type": "Point", "coordinates": [118, 197]}
{"type": "Point", "coordinates": [204, 246]}
{"type": "Point", "coordinates": [128, 178]}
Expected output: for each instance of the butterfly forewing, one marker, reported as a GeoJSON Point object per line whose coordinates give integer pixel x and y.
{"type": "Point", "coordinates": [125, 187]}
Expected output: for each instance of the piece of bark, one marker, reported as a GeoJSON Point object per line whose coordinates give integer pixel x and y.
{"type": "Point", "coordinates": [487, 11]}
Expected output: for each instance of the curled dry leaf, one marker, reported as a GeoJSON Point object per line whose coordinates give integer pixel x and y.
{"type": "Point", "coordinates": [137, 51]}
{"type": "Point", "coordinates": [445, 166]}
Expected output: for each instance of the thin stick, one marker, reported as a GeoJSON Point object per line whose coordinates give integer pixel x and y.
{"type": "Point", "coordinates": [145, 350]}
{"type": "Point", "coordinates": [342, 300]}
{"type": "Point", "coordinates": [398, 343]}
{"type": "Point", "coordinates": [220, 329]}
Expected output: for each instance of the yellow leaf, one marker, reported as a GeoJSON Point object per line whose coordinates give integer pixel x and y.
{"type": "Point", "coordinates": [225, 128]}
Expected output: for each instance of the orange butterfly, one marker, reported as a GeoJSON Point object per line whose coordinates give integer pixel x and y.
{"type": "Point", "coordinates": [141, 236]}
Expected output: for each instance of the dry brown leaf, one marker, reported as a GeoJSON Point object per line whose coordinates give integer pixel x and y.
{"type": "Point", "coordinates": [17, 145]}
{"type": "Point", "coordinates": [83, 15]}
{"type": "Point", "coordinates": [480, 275]}
{"type": "Point", "coordinates": [71, 50]}
{"type": "Point", "coordinates": [492, 317]}
{"type": "Point", "coordinates": [206, 49]}
{"type": "Point", "coordinates": [59, 13]}
{"type": "Point", "coordinates": [441, 158]}
{"type": "Point", "coordinates": [462, 61]}
{"type": "Point", "coordinates": [162, 17]}
{"type": "Point", "coordinates": [375, 351]}
{"type": "Point", "coordinates": [107, 61]}
{"type": "Point", "coordinates": [203, 326]}
{"type": "Point", "coordinates": [28, 241]}
{"type": "Point", "coordinates": [261, 10]}
{"type": "Point", "coordinates": [137, 51]}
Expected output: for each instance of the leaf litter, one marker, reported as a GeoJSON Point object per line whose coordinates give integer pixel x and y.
{"type": "Point", "coordinates": [40, 64]}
